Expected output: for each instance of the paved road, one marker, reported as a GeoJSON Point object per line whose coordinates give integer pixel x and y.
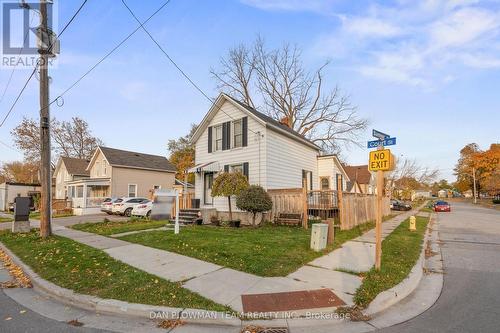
{"type": "Point", "coordinates": [470, 300]}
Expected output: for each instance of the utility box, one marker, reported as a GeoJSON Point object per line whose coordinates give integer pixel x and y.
{"type": "Point", "coordinates": [319, 235]}
{"type": "Point", "coordinates": [21, 214]}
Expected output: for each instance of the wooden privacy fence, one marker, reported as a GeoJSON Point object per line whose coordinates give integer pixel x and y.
{"type": "Point", "coordinates": [351, 209]}
{"type": "Point", "coordinates": [291, 200]}
{"type": "Point", "coordinates": [185, 202]}
{"type": "Point", "coordinates": [357, 209]}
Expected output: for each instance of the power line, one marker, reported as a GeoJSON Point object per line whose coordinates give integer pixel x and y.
{"type": "Point", "coordinates": [10, 147]}
{"type": "Point", "coordinates": [14, 67]}
{"type": "Point", "coordinates": [106, 55]}
{"type": "Point", "coordinates": [212, 101]}
{"type": "Point", "coordinates": [38, 63]}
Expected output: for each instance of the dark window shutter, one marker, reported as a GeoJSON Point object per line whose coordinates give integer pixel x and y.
{"type": "Point", "coordinates": [310, 180]}
{"type": "Point", "coordinates": [226, 168]}
{"type": "Point", "coordinates": [244, 129]}
{"type": "Point", "coordinates": [228, 135]}
{"type": "Point", "coordinates": [224, 136]}
{"type": "Point", "coordinates": [245, 169]}
{"type": "Point", "coordinates": [210, 139]}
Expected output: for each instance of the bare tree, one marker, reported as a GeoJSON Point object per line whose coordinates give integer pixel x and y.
{"type": "Point", "coordinates": [70, 138]}
{"type": "Point", "coordinates": [409, 175]}
{"type": "Point", "coordinates": [290, 93]}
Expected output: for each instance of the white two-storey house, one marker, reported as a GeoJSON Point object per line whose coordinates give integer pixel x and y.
{"type": "Point", "coordinates": [235, 137]}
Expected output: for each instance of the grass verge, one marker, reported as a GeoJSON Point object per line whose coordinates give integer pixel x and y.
{"type": "Point", "coordinates": [400, 251]}
{"type": "Point", "coordinates": [116, 227]}
{"type": "Point", "coordinates": [6, 219]}
{"type": "Point", "coordinates": [265, 251]}
{"type": "Point", "coordinates": [36, 215]}
{"type": "Point", "coordinates": [86, 270]}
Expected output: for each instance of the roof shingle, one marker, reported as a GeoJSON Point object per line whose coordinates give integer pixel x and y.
{"type": "Point", "coordinates": [76, 166]}
{"type": "Point", "coordinates": [359, 173]}
{"type": "Point", "coordinates": [117, 157]}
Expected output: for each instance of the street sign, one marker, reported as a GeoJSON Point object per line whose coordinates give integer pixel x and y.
{"type": "Point", "coordinates": [385, 142]}
{"type": "Point", "coordinates": [380, 135]}
{"type": "Point", "coordinates": [380, 160]}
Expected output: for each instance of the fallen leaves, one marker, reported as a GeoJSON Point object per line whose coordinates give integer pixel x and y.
{"type": "Point", "coordinates": [75, 322]}
{"type": "Point", "coordinates": [20, 278]}
{"type": "Point", "coordinates": [170, 323]}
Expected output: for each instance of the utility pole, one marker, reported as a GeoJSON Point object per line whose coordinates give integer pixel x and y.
{"type": "Point", "coordinates": [474, 181]}
{"type": "Point", "coordinates": [45, 167]}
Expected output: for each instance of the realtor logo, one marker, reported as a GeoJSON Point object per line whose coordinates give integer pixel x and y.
{"type": "Point", "coordinates": [20, 30]}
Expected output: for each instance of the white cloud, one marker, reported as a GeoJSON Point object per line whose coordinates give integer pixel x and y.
{"type": "Point", "coordinates": [421, 44]}
{"type": "Point", "coordinates": [290, 5]}
{"type": "Point", "coordinates": [370, 27]}
{"type": "Point", "coordinates": [463, 26]}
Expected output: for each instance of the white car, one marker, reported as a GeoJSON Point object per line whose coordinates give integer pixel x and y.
{"type": "Point", "coordinates": [124, 206]}
{"type": "Point", "coordinates": [107, 205]}
{"type": "Point", "coordinates": [143, 209]}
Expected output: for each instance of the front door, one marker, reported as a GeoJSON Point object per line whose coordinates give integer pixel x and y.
{"type": "Point", "coordinates": [207, 184]}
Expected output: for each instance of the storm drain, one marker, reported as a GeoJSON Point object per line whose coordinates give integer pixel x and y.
{"type": "Point", "coordinates": [260, 329]}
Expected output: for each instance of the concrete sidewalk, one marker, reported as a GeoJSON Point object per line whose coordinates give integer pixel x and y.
{"type": "Point", "coordinates": [357, 255]}
{"type": "Point", "coordinates": [225, 285]}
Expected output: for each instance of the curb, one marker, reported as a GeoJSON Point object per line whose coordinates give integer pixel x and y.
{"type": "Point", "coordinates": [111, 306]}
{"type": "Point", "coordinates": [397, 293]}
{"type": "Point", "coordinates": [382, 302]}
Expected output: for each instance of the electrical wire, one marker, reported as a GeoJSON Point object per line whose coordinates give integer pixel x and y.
{"type": "Point", "coordinates": [14, 67]}
{"type": "Point", "coordinates": [38, 63]}
{"type": "Point", "coordinates": [74, 84]}
{"type": "Point", "coordinates": [211, 100]}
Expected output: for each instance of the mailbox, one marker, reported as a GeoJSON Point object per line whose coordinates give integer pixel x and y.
{"type": "Point", "coordinates": [22, 209]}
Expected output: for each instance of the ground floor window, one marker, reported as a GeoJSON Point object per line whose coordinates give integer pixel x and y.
{"type": "Point", "coordinates": [132, 190]}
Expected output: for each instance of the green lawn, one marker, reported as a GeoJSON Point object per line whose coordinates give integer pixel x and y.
{"type": "Point", "coordinates": [6, 219]}
{"type": "Point", "coordinates": [116, 227]}
{"type": "Point", "coordinates": [400, 251]}
{"type": "Point", "coordinates": [90, 271]}
{"type": "Point", "coordinates": [36, 215]}
{"type": "Point", "coordinates": [266, 251]}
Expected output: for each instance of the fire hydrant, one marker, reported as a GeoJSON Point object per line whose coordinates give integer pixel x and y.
{"type": "Point", "coordinates": [413, 223]}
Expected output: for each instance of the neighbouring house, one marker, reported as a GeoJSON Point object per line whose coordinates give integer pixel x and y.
{"type": "Point", "coordinates": [68, 169]}
{"type": "Point", "coordinates": [443, 193]}
{"type": "Point", "coordinates": [420, 194]}
{"type": "Point", "coordinates": [360, 175]}
{"type": "Point", "coordinates": [330, 172]}
{"type": "Point", "coordinates": [10, 190]}
{"type": "Point", "coordinates": [468, 194]}
{"type": "Point", "coordinates": [234, 137]}
{"type": "Point", "coordinates": [182, 186]}
{"type": "Point", "coordinates": [117, 173]}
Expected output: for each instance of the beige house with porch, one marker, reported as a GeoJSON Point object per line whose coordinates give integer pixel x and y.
{"type": "Point", "coordinates": [117, 173]}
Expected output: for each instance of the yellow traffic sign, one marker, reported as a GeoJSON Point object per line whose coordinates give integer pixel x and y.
{"type": "Point", "coordinates": [380, 160]}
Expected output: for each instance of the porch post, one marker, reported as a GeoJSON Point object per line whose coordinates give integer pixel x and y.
{"type": "Point", "coordinates": [84, 195]}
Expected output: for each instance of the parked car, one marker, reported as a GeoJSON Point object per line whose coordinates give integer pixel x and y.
{"type": "Point", "coordinates": [143, 209]}
{"type": "Point", "coordinates": [124, 206]}
{"type": "Point", "coordinates": [107, 205]}
{"type": "Point", "coordinates": [399, 205]}
{"type": "Point", "coordinates": [442, 206]}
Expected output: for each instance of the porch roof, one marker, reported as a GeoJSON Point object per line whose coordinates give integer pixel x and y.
{"type": "Point", "coordinates": [205, 167]}
{"type": "Point", "coordinates": [91, 181]}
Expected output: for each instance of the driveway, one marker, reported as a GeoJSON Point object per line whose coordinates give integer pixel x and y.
{"type": "Point", "coordinates": [71, 220]}
{"type": "Point", "coordinates": [470, 299]}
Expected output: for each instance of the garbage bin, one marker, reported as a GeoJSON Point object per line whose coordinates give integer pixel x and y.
{"type": "Point", "coordinates": [195, 203]}
{"type": "Point", "coordinates": [22, 208]}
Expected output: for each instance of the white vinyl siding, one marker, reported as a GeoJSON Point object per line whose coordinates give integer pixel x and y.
{"type": "Point", "coordinates": [286, 158]}
{"type": "Point", "coordinates": [327, 167]}
{"type": "Point", "coordinates": [232, 156]}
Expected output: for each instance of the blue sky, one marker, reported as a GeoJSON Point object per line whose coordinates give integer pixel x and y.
{"type": "Point", "coordinates": [426, 72]}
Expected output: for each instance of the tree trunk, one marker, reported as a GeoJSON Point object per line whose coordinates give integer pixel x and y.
{"type": "Point", "coordinates": [253, 220]}
{"type": "Point", "coordinates": [230, 210]}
